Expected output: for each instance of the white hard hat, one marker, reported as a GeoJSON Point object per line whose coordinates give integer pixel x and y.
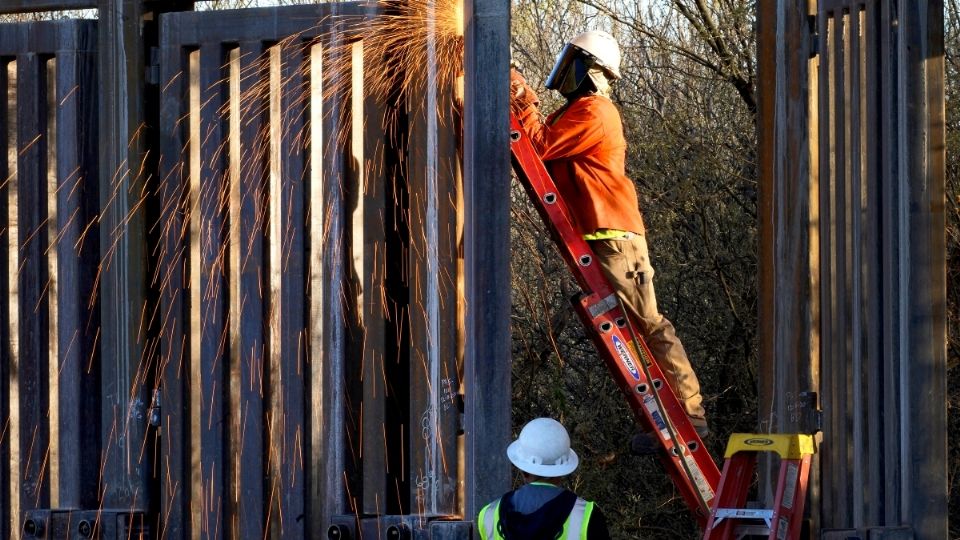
{"type": "Point", "coordinates": [603, 47]}
{"type": "Point", "coordinates": [543, 449]}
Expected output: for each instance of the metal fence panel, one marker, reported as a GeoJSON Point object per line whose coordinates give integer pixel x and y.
{"type": "Point", "coordinates": [874, 138]}
{"type": "Point", "coordinates": [307, 301]}
{"type": "Point", "coordinates": [871, 238]}
{"type": "Point", "coordinates": [48, 390]}
{"type": "Point", "coordinates": [311, 338]}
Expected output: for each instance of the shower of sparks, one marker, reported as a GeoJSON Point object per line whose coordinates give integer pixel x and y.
{"type": "Point", "coordinates": [230, 213]}
{"type": "Point", "coordinates": [403, 38]}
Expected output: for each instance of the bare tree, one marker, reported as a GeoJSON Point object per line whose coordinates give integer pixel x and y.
{"type": "Point", "coordinates": [952, 68]}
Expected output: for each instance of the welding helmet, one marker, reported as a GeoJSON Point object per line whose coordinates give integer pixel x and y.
{"type": "Point", "coordinates": [594, 55]}
{"type": "Point", "coordinates": [543, 449]}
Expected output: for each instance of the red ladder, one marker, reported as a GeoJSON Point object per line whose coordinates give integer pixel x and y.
{"type": "Point", "coordinates": [685, 458]}
{"type": "Point", "coordinates": [728, 518]}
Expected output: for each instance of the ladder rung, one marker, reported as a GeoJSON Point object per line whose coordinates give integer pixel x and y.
{"type": "Point", "coordinates": [603, 306]}
{"type": "Point", "coordinates": [745, 531]}
{"type": "Point", "coordinates": [744, 513]}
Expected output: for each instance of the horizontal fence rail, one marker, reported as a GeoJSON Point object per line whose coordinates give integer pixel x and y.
{"type": "Point", "coordinates": [33, 6]}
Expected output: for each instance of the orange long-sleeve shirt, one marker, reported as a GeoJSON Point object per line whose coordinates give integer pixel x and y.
{"type": "Point", "coordinates": [583, 147]}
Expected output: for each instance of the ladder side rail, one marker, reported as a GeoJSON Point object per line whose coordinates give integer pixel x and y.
{"type": "Point", "coordinates": [791, 497]}
{"type": "Point", "coordinates": [539, 187]}
{"type": "Point", "coordinates": [605, 322]}
{"type": "Point", "coordinates": [696, 486]}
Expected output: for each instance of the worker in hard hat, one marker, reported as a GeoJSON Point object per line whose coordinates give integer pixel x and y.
{"type": "Point", "coordinates": [583, 148]}
{"type": "Point", "coordinates": [541, 509]}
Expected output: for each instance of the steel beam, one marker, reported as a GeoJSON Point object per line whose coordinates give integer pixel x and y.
{"type": "Point", "coordinates": [123, 252]}
{"type": "Point", "coordinates": [34, 6]}
{"type": "Point", "coordinates": [923, 356]}
{"type": "Point", "coordinates": [128, 112]}
{"type": "Point", "coordinates": [486, 252]}
{"type": "Point", "coordinates": [8, 7]}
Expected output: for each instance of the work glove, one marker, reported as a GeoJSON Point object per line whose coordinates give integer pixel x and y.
{"type": "Point", "coordinates": [522, 97]}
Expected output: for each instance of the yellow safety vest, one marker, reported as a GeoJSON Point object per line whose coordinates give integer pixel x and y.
{"type": "Point", "coordinates": [574, 528]}
{"type": "Point", "coordinates": [609, 234]}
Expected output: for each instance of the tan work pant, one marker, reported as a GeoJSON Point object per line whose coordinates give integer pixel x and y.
{"type": "Point", "coordinates": [626, 263]}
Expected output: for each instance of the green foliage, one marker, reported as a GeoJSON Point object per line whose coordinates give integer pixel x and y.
{"type": "Point", "coordinates": [692, 152]}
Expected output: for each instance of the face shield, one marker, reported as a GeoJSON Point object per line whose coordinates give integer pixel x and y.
{"type": "Point", "coordinates": [560, 67]}
{"type": "Point", "coordinates": [571, 69]}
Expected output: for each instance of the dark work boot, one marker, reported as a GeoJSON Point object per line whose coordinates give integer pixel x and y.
{"type": "Point", "coordinates": [646, 443]}
{"type": "Point", "coordinates": [700, 425]}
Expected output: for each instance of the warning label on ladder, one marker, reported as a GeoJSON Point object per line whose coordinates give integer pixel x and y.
{"type": "Point", "coordinates": [698, 479]}
{"type": "Point", "coordinates": [783, 528]}
{"type": "Point", "coordinates": [651, 404]}
{"type": "Point", "coordinates": [793, 470]}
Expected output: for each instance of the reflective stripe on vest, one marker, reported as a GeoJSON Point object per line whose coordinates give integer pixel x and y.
{"type": "Point", "coordinates": [489, 517]}
{"type": "Point", "coordinates": [574, 528]}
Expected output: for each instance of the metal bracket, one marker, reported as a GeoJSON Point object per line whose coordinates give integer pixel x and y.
{"type": "Point", "coordinates": [82, 524]}
{"type": "Point", "coordinates": [153, 414]}
{"type": "Point", "coordinates": [811, 417]}
{"type": "Point", "coordinates": [152, 69]}
{"type": "Point", "coordinates": [349, 527]}
{"type": "Point", "coordinates": [603, 306]}
{"type": "Point", "coordinates": [743, 513]}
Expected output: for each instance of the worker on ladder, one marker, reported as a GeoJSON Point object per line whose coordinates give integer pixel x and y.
{"type": "Point", "coordinates": [583, 148]}
{"type": "Point", "coordinates": [541, 509]}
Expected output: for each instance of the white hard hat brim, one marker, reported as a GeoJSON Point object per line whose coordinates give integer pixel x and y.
{"type": "Point", "coordinates": [546, 471]}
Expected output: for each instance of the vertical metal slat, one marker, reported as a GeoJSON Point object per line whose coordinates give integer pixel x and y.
{"type": "Point", "coordinates": [487, 192]}
{"type": "Point", "coordinates": [289, 384]}
{"type": "Point", "coordinates": [6, 353]}
{"type": "Point", "coordinates": [890, 268]}
{"type": "Point", "coordinates": [78, 250]}
{"type": "Point", "coordinates": [828, 57]}
{"type": "Point", "coordinates": [450, 368]}
{"type": "Point", "coordinates": [854, 265]}
{"type": "Point", "coordinates": [33, 362]}
{"type": "Point", "coordinates": [368, 250]}
{"type": "Point", "coordinates": [841, 410]}
{"type": "Point", "coordinates": [250, 303]}
{"type": "Point", "coordinates": [923, 360]}
{"type": "Point", "coordinates": [175, 480]}
{"type": "Point", "coordinates": [338, 460]}
{"type": "Point", "coordinates": [433, 307]}
{"type": "Point", "coordinates": [873, 303]}
{"type": "Point", "coordinates": [213, 291]}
